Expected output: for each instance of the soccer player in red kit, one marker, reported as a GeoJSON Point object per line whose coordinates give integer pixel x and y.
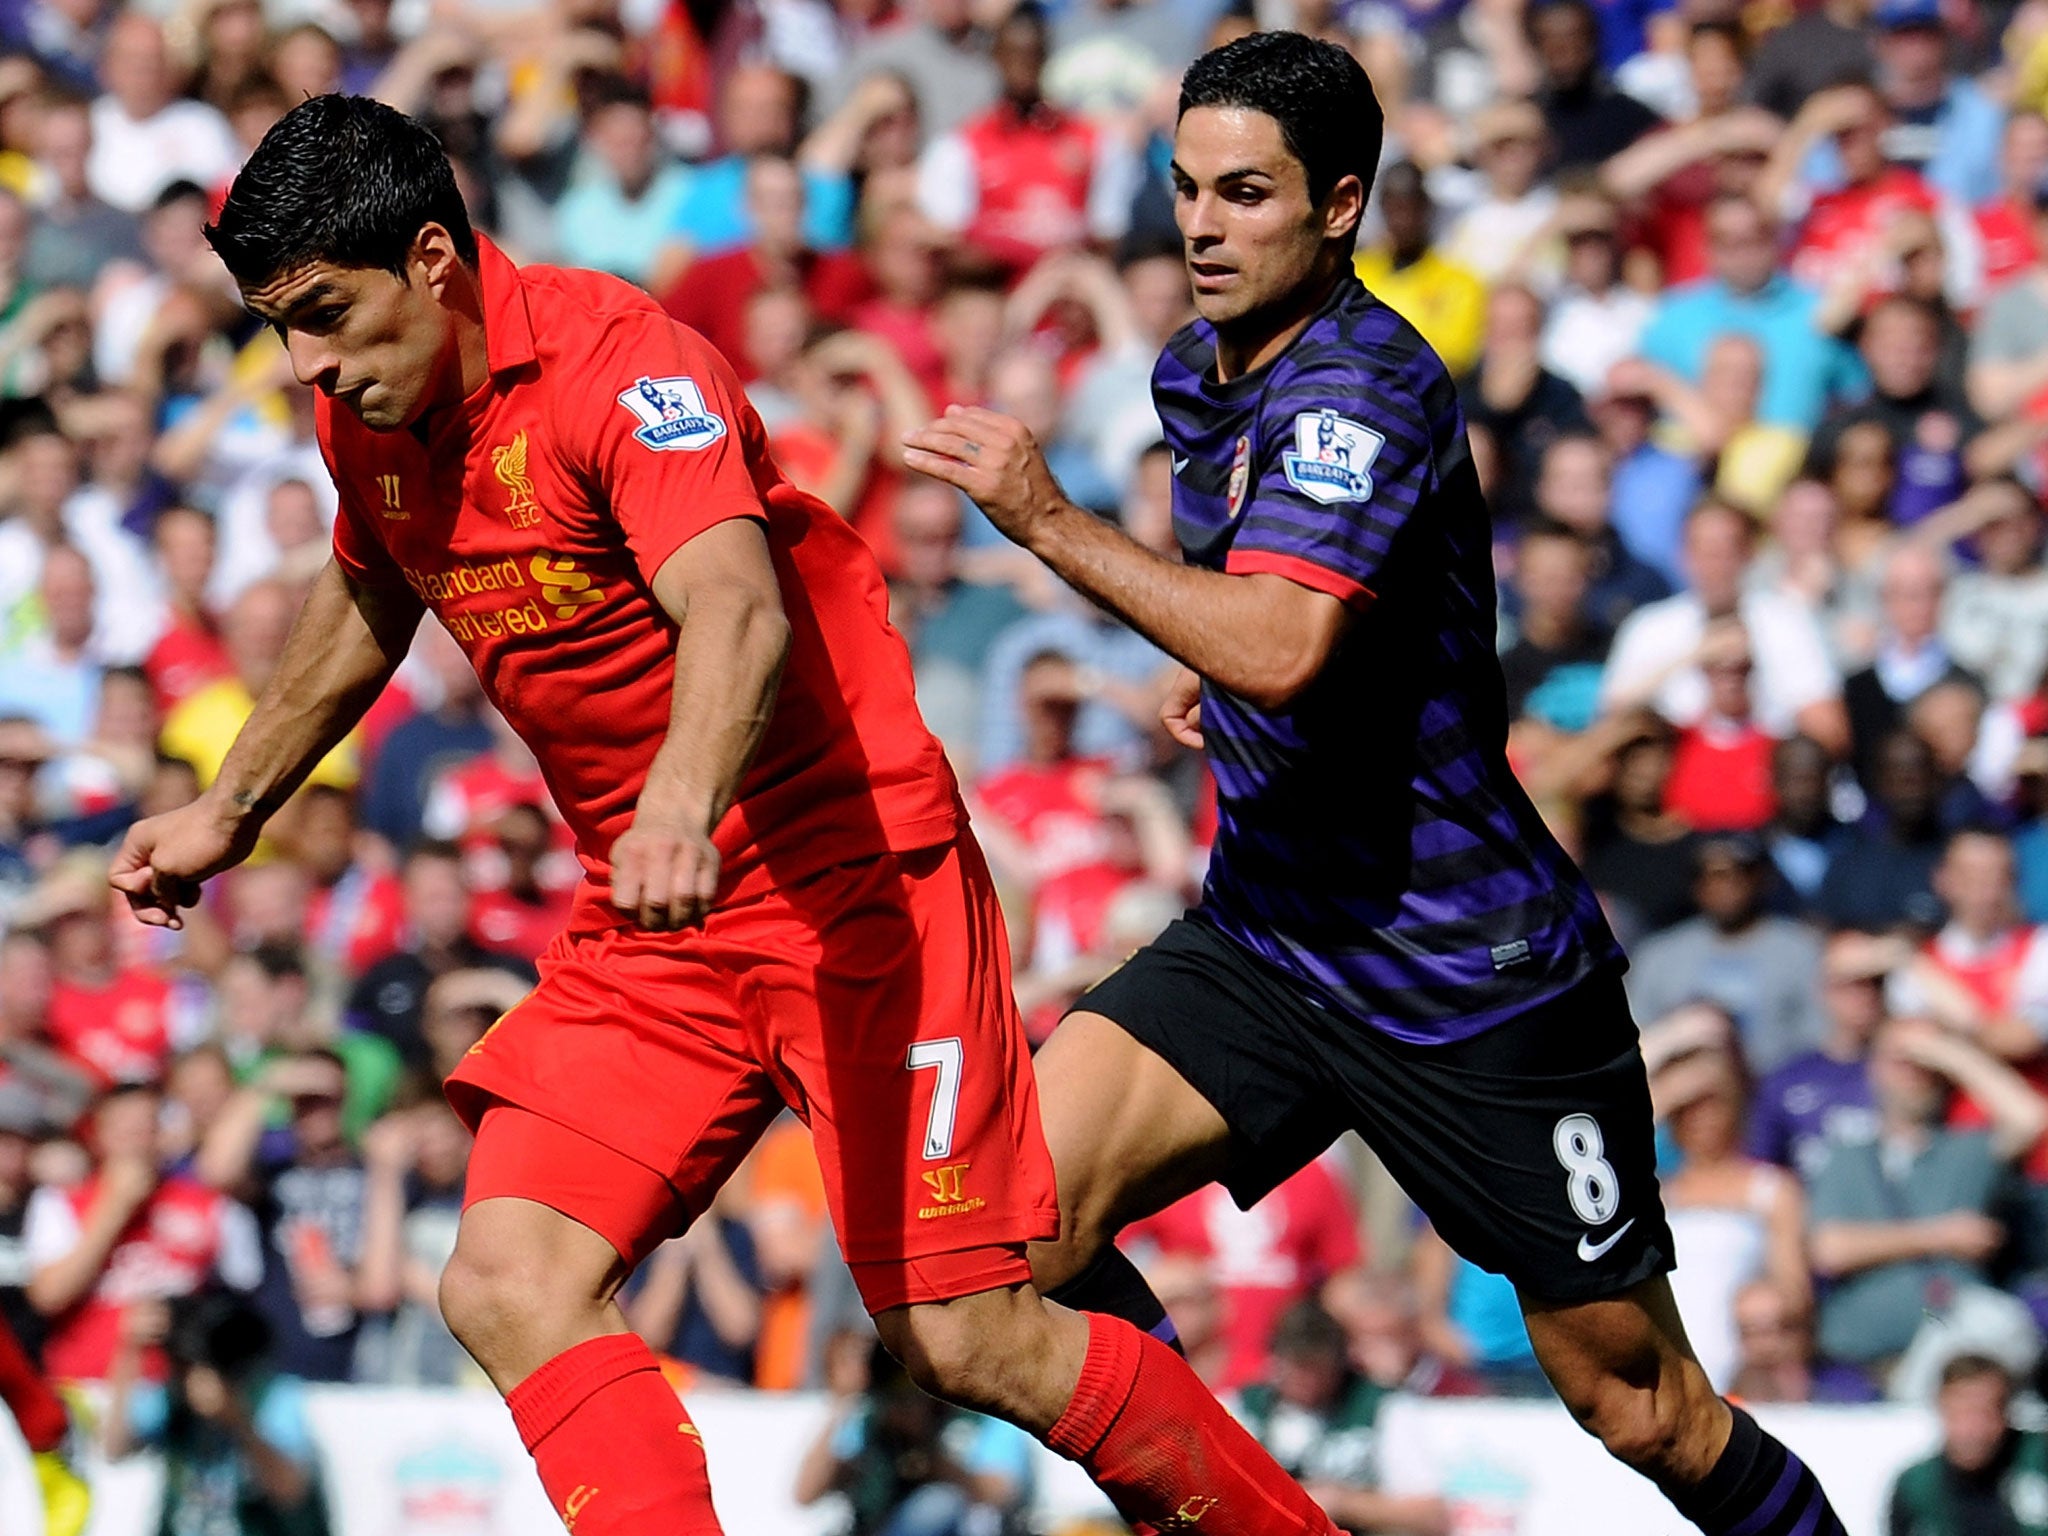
{"type": "Point", "coordinates": [782, 904]}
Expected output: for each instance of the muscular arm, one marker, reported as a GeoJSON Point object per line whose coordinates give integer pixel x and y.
{"type": "Point", "coordinates": [348, 640]}
{"type": "Point", "coordinates": [1259, 636]}
{"type": "Point", "coordinates": [732, 638]}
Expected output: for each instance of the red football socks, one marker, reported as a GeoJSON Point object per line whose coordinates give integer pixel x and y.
{"type": "Point", "coordinates": [1167, 1454]}
{"type": "Point", "coordinates": [616, 1452]}
{"type": "Point", "coordinates": [36, 1406]}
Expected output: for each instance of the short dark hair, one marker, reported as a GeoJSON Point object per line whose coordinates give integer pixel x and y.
{"type": "Point", "coordinates": [1971, 1366]}
{"type": "Point", "coordinates": [340, 179]}
{"type": "Point", "coordinates": [1306, 1331]}
{"type": "Point", "coordinates": [1329, 117]}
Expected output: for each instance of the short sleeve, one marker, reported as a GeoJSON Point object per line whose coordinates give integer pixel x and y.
{"type": "Point", "coordinates": [357, 549]}
{"type": "Point", "coordinates": [50, 1229]}
{"type": "Point", "coordinates": [1343, 464]}
{"type": "Point", "coordinates": [671, 440]}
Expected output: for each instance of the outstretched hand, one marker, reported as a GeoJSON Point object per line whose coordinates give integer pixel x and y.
{"type": "Point", "coordinates": [996, 461]}
{"type": "Point", "coordinates": [163, 860]}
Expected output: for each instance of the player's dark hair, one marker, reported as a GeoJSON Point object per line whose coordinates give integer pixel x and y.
{"type": "Point", "coordinates": [340, 179]}
{"type": "Point", "coordinates": [1329, 117]}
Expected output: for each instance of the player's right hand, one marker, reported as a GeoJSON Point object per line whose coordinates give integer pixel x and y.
{"type": "Point", "coordinates": [163, 860]}
{"type": "Point", "coordinates": [1181, 714]}
{"type": "Point", "coordinates": [665, 875]}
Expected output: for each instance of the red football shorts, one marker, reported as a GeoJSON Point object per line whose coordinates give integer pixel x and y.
{"type": "Point", "coordinates": [873, 999]}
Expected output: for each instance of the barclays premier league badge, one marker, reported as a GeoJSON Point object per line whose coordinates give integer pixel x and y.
{"type": "Point", "coordinates": [1240, 475]}
{"type": "Point", "coordinates": [672, 415]}
{"type": "Point", "coordinates": [1332, 457]}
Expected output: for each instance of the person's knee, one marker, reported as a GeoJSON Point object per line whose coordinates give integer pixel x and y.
{"type": "Point", "coordinates": [515, 1284]}
{"type": "Point", "coordinates": [977, 1353]}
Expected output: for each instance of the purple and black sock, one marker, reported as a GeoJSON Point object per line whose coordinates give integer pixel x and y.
{"type": "Point", "coordinates": [1758, 1488]}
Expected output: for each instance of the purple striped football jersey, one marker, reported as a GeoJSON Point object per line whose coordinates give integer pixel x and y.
{"type": "Point", "coordinates": [1371, 839]}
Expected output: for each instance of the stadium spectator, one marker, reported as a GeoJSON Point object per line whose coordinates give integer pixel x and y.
{"type": "Point", "coordinates": [1881, 870]}
{"type": "Point", "coordinates": [760, 112]}
{"type": "Point", "coordinates": [1721, 779]}
{"type": "Point", "coordinates": [907, 1463]}
{"type": "Point", "coordinates": [268, 1014]}
{"type": "Point", "coordinates": [1590, 121]}
{"type": "Point", "coordinates": [936, 51]}
{"type": "Point", "coordinates": [1910, 657]}
{"type": "Point", "coordinates": [1026, 177]}
{"type": "Point", "coordinates": [1822, 1097]}
{"type": "Point", "coordinates": [1500, 231]}
{"type": "Point", "coordinates": [1778, 1364]}
{"type": "Point", "coordinates": [414, 1160]}
{"type": "Point", "coordinates": [1735, 1220]}
{"type": "Point", "coordinates": [699, 1296]}
{"type": "Point", "coordinates": [127, 1235]}
{"type": "Point", "coordinates": [307, 1188]}
{"type": "Point", "coordinates": [1759, 967]}
{"type": "Point", "coordinates": [1575, 489]}
{"type": "Point", "coordinates": [1639, 854]}
{"type": "Point", "coordinates": [1747, 294]}
{"type": "Point", "coordinates": [1655, 653]}
{"type": "Point", "coordinates": [1919, 1205]}
{"type": "Point", "coordinates": [390, 997]}
{"type": "Point", "coordinates": [1446, 302]}
{"type": "Point", "coordinates": [623, 208]}
{"type": "Point", "coordinates": [106, 1013]}
{"type": "Point", "coordinates": [427, 743]}
{"type": "Point", "coordinates": [1994, 619]}
{"type": "Point", "coordinates": [1945, 125]}
{"type": "Point", "coordinates": [234, 1433]}
{"type": "Point", "coordinates": [1595, 319]}
{"type": "Point", "coordinates": [52, 674]}
{"type": "Point", "coordinates": [144, 137]}
{"type": "Point", "coordinates": [1520, 405]}
{"type": "Point", "coordinates": [1291, 1245]}
{"type": "Point", "coordinates": [1316, 1413]}
{"type": "Point", "coordinates": [1553, 666]}
{"type": "Point", "coordinates": [1988, 1471]}
{"type": "Point", "coordinates": [355, 907]}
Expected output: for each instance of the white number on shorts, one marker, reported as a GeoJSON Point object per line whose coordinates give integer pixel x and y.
{"type": "Point", "coordinates": [1595, 1191]}
{"type": "Point", "coordinates": [945, 1055]}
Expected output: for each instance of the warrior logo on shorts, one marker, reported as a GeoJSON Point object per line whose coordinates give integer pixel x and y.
{"type": "Point", "coordinates": [672, 414]}
{"type": "Point", "coordinates": [1240, 475]}
{"type": "Point", "coordinates": [948, 1186]}
{"type": "Point", "coordinates": [1332, 456]}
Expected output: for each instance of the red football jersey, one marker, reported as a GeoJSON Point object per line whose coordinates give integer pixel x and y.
{"type": "Point", "coordinates": [533, 519]}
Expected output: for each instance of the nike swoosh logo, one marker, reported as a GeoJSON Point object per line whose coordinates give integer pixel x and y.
{"type": "Point", "coordinates": [1590, 1250]}
{"type": "Point", "coordinates": [1179, 464]}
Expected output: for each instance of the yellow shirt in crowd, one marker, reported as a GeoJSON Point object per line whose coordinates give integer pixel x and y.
{"type": "Point", "coordinates": [1441, 299]}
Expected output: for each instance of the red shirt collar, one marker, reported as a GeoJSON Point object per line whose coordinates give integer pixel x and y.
{"type": "Point", "coordinates": [508, 330]}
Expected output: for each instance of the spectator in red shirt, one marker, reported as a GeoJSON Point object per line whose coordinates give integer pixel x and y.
{"type": "Point", "coordinates": [1843, 226]}
{"type": "Point", "coordinates": [356, 911]}
{"type": "Point", "coordinates": [520, 912]}
{"type": "Point", "coordinates": [1026, 177]}
{"type": "Point", "coordinates": [1288, 1246]}
{"type": "Point", "coordinates": [128, 1236]}
{"type": "Point", "coordinates": [2005, 224]}
{"type": "Point", "coordinates": [1721, 768]}
{"type": "Point", "coordinates": [1066, 829]}
{"type": "Point", "coordinates": [114, 1019]}
{"type": "Point", "coordinates": [712, 296]}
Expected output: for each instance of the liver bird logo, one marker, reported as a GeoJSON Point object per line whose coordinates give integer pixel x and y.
{"type": "Point", "coordinates": [508, 462]}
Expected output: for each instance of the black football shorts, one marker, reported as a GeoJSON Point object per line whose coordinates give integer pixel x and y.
{"type": "Point", "coordinates": [1530, 1146]}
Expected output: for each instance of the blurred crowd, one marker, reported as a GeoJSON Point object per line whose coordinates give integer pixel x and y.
{"type": "Point", "coordinates": [1749, 308]}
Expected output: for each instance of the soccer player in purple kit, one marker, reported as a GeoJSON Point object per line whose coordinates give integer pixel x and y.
{"type": "Point", "coordinates": [1389, 940]}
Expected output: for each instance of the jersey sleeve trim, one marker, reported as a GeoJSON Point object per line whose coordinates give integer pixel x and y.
{"type": "Point", "coordinates": [653, 556]}
{"type": "Point", "coordinates": [1305, 573]}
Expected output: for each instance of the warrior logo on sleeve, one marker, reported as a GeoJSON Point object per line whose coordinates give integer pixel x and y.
{"type": "Point", "coordinates": [1332, 457]}
{"type": "Point", "coordinates": [672, 414]}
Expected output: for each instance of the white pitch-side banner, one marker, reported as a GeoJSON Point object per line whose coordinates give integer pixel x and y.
{"type": "Point", "coordinates": [422, 1463]}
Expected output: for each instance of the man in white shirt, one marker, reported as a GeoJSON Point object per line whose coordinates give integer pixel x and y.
{"type": "Point", "coordinates": [1655, 656]}
{"type": "Point", "coordinates": [144, 137]}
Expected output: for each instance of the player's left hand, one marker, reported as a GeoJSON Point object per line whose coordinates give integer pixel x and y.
{"type": "Point", "coordinates": [664, 873]}
{"type": "Point", "coordinates": [996, 461]}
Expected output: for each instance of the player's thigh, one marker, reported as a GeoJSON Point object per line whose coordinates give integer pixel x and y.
{"type": "Point", "coordinates": [621, 1092]}
{"type": "Point", "coordinates": [886, 1014]}
{"type": "Point", "coordinates": [1128, 1135]}
{"type": "Point", "coordinates": [1530, 1146]}
{"type": "Point", "coordinates": [1191, 1063]}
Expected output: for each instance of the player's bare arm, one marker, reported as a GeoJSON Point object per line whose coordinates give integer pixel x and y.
{"type": "Point", "coordinates": [1259, 636]}
{"type": "Point", "coordinates": [731, 643]}
{"type": "Point", "coordinates": [348, 640]}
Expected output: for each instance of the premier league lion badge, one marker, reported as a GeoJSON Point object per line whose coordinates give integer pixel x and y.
{"type": "Point", "coordinates": [672, 414]}
{"type": "Point", "coordinates": [1332, 457]}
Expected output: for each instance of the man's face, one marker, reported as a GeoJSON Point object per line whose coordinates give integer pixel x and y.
{"type": "Point", "coordinates": [758, 113]}
{"type": "Point", "coordinates": [1902, 348]}
{"type": "Point", "coordinates": [1911, 597]}
{"type": "Point", "coordinates": [1407, 217]}
{"type": "Point", "coordinates": [1551, 573]}
{"type": "Point", "coordinates": [1241, 199]}
{"type": "Point", "coordinates": [1729, 891]}
{"type": "Point", "coordinates": [928, 534]}
{"type": "Point", "coordinates": [437, 899]}
{"type": "Point", "coordinates": [1157, 288]}
{"type": "Point", "coordinates": [1565, 44]}
{"type": "Point", "coordinates": [1973, 1421]}
{"type": "Point", "coordinates": [1739, 246]}
{"type": "Point", "coordinates": [1716, 553]}
{"type": "Point", "coordinates": [363, 337]}
{"type": "Point", "coordinates": [64, 144]}
{"type": "Point", "coordinates": [621, 136]}
{"type": "Point", "coordinates": [1975, 881]}
{"type": "Point", "coordinates": [1572, 486]}
{"type": "Point", "coordinates": [1906, 784]}
{"type": "Point", "coordinates": [775, 197]}
{"type": "Point", "coordinates": [1019, 56]}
